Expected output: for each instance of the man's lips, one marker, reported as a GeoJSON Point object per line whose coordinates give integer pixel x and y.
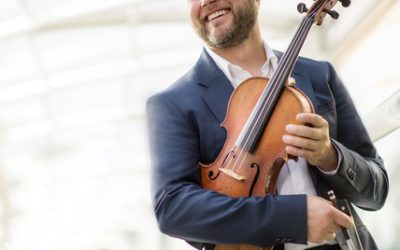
{"type": "Point", "coordinates": [216, 14]}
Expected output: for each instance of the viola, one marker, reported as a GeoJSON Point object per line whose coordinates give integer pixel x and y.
{"type": "Point", "coordinates": [258, 112]}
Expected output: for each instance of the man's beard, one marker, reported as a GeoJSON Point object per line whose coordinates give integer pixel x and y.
{"type": "Point", "coordinates": [243, 22]}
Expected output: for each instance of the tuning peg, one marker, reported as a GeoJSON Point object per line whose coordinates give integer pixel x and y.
{"type": "Point", "coordinates": [345, 3]}
{"type": "Point", "coordinates": [332, 13]}
{"type": "Point", "coordinates": [301, 7]}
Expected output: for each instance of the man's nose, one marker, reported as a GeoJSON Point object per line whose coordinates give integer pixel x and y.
{"type": "Point", "coordinates": [205, 2]}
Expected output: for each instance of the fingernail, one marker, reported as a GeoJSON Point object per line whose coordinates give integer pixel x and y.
{"type": "Point", "coordinates": [299, 116]}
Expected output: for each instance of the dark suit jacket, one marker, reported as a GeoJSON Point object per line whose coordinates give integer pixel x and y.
{"type": "Point", "coordinates": [184, 127]}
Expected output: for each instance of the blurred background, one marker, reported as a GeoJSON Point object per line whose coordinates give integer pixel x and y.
{"type": "Point", "coordinates": [74, 78]}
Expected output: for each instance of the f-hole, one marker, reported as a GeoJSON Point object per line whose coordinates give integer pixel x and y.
{"type": "Point", "coordinates": [257, 167]}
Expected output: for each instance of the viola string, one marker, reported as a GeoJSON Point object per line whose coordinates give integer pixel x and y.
{"type": "Point", "coordinates": [299, 40]}
{"type": "Point", "coordinates": [272, 89]}
{"type": "Point", "coordinates": [268, 105]}
{"type": "Point", "coordinates": [293, 51]}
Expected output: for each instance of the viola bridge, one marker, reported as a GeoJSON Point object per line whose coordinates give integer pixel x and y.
{"type": "Point", "coordinates": [232, 174]}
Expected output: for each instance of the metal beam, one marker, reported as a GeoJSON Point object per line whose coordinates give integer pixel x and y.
{"type": "Point", "coordinates": [384, 118]}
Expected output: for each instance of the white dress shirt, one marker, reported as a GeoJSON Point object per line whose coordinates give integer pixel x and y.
{"type": "Point", "coordinates": [294, 177]}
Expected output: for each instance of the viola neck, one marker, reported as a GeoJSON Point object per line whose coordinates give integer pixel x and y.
{"type": "Point", "coordinates": [289, 58]}
{"type": "Point", "coordinates": [259, 117]}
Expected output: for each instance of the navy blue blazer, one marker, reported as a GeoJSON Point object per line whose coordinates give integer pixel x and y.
{"type": "Point", "coordinates": [184, 128]}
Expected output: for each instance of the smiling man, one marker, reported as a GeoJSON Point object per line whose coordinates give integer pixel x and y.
{"type": "Point", "coordinates": [335, 152]}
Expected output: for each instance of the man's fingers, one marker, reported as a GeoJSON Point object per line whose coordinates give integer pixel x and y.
{"type": "Point", "coordinates": [301, 142]}
{"type": "Point", "coordinates": [334, 228]}
{"type": "Point", "coordinates": [313, 119]}
{"type": "Point", "coordinates": [304, 131]}
{"type": "Point", "coordinates": [342, 219]}
{"type": "Point", "coordinates": [324, 220]}
{"type": "Point", "coordinates": [331, 236]}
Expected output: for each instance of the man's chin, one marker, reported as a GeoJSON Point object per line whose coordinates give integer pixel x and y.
{"type": "Point", "coordinates": [219, 39]}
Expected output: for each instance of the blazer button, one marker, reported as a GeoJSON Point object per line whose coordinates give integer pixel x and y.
{"type": "Point", "coordinates": [351, 174]}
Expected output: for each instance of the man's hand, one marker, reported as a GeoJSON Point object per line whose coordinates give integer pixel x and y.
{"type": "Point", "coordinates": [311, 142]}
{"type": "Point", "coordinates": [324, 220]}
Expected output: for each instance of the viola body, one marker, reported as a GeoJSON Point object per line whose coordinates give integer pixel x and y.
{"type": "Point", "coordinates": [239, 173]}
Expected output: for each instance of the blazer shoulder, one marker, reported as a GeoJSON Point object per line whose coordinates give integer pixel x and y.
{"type": "Point", "coordinates": [319, 72]}
{"type": "Point", "coordinates": [313, 64]}
{"type": "Point", "coordinates": [306, 64]}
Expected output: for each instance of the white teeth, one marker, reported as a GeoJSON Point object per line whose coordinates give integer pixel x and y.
{"type": "Point", "coordinates": [216, 14]}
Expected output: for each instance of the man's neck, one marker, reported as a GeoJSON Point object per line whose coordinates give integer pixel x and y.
{"type": "Point", "coordinates": [249, 55]}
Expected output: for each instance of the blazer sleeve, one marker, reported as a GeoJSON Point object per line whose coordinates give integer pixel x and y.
{"type": "Point", "coordinates": [361, 177]}
{"type": "Point", "coordinates": [184, 210]}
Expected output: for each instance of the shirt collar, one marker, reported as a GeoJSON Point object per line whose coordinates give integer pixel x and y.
{"type": "Point", "coordinates": [236, 74]}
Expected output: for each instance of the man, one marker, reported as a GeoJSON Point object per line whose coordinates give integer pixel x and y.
{"type": "Point", "coordinates": [335, 152]}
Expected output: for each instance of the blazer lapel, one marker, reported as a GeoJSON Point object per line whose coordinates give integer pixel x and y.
{"type": "Point", "coordinates": [303, 81]}
{"type": "Point", "coordinates": [218, 87]}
